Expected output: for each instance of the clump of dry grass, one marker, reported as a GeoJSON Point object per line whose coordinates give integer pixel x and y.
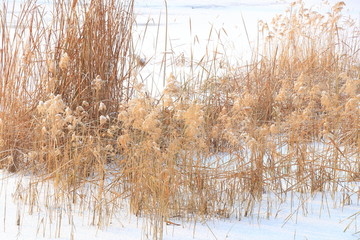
{"type": "Point", "coordinates": [92, 58]}
{"type": "Point", "coordinates": [72, 112]}
{"type": "Point", "coordinates": [78, 61]}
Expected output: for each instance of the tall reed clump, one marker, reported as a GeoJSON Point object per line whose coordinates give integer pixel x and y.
{"type": "Point", "coordinates": [92, 57]}
{"type": "Point", "coordinates": [161, 145]}
{"type": "Point", "coordinates": [316, 59]}
{"type": "Point", "coordinates": [76, 57]}
{"type": "Point", "coordinates": [22, 72]}
{"type": "Point", "coordinates": [296, 107]}
{"type": "Point", "coordinates": [90, 72]}
{"type": "Point", "coordinates": [64, 71]}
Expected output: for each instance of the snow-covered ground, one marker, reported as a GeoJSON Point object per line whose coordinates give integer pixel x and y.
{"type": "Point", "coordinates": [299, 217]}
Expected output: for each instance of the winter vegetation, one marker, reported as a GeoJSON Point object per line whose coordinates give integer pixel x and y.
{"type": "Point", "coordinates": [82, 130]}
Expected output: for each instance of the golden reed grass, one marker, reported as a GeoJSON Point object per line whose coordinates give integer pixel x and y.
{"type": "Point", "coordinates": [210, 147]}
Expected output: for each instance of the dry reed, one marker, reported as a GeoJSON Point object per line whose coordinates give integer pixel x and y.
{"type": "Point", "coordinates": [210, 146]}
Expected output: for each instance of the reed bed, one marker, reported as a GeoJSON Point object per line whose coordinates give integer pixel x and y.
{"type": "Point", "coordinates": [75, 116]}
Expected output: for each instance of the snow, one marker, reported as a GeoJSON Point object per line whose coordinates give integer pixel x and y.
{"type": "Point", "coordinates": [299, 216]}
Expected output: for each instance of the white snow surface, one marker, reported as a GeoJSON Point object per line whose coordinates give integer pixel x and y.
{"type": "Point", "coordinates": [300, 217]}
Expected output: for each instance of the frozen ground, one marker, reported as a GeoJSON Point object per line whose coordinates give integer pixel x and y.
{"type": "Point", "coordinates": [299, 217]}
